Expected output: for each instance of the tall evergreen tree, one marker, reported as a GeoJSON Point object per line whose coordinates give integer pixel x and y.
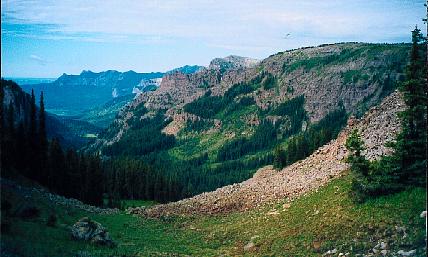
{"type": "Point", "coordinates": [34, 167]}
{"type": "Point", "coordinates": [43, 144]}
{"type": "Point", "coordinates": [411, 146]}
{"type": "Point", "coordinates": [33, 122]}
{"type": "Point", "coordinates": [55, 178]}
{"type": "Point", "coordinates": [280, 158]}
{"type": "Point", "coordinates": [359, 167]}
{"type": "Point", "coordinates": [2, 121]}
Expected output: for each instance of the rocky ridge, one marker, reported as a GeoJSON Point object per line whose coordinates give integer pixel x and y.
{"type": "Point", "coordinates": [268, 185]}
{"type": "Point", "coordinates": [328, 75]}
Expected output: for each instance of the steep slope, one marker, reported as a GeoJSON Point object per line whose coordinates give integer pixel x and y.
{"type": "Point", "coordinates": [218, 126]}
{"type": "Point", "coordinates": [378, 126]}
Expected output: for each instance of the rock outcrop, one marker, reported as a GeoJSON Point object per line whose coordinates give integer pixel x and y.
{"type": "Point", "coordinates": [232, 62]}
{"type": "Point", "coordinates": [88, 230]}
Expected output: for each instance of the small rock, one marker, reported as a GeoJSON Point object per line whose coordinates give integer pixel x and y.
{"type": "Point", "coordinates": [330, 252]}
{"type": "Point", "coordinates": [404, 253]}
{"type": "Point", "coordinates": [423, 214]}
{"type": "Point", "coordinates": [384, 252]}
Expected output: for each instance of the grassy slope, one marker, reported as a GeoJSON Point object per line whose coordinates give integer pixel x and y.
{"type": "Point", "coordinates": [327, 216]}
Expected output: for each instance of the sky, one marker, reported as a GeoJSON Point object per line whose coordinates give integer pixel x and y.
{"type": "Point", "coordinates": [46, 38]}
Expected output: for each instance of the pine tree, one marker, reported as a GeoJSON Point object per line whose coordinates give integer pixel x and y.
{"type": "Point", "coordinates": [2, 121]}
{"type": "Point", "coordinates": [43, 141]}
{"type": "Point", "coordinates": [359, 167]}
{"type": "Point", "coordinates": [34, 164]}
{"type": "Point", "coordinates": [411, 146]}
{"type": "Point", "coordinates": [280, 159]}
{"type": "Point", "coordinates": [55, 178]}
{"type": "Point", "coordinates": [33, 125]}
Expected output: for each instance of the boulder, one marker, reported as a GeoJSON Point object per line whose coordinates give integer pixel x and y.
{"type": "Point", "coordinates": [89, 230]}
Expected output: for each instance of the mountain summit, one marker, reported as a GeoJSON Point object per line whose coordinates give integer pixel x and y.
{"type": "Point", "coordinates": [232, 62]}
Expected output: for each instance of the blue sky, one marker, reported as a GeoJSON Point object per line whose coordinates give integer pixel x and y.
{"type": "Point", "coordinates": [45, 38]}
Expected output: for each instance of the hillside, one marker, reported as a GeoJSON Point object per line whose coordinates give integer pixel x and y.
{"type": "Point", "coordinates": [218, 126]}
{"type": "Point", "coordinates": [379, 126]}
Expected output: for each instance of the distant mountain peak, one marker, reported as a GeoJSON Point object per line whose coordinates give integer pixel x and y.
{"type": "Point", "coordinates": [232, 62]}
{"type": "Point", "coordinates": [86, 72]}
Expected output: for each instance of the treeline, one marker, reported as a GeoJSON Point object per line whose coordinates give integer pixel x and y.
{"type": "Point", "coordinates": [304, 144]}
{"type": "Point", "coordinates": [407, 166]}
{"type": "Point", "coordinates": [26, 150]}
{"type": "Point", "coordinates": [128, 178]}
{"type": "Point", "coordinates": [197, 175]}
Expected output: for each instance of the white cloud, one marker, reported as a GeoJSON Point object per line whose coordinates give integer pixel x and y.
{"type": "Point", "coordinates": [243, 24]}
{"type": "Point", "coordinates": [38, 59]}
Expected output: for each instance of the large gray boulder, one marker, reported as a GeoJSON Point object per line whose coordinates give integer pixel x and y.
{"type": "Point", "coordinates": [89, 230]}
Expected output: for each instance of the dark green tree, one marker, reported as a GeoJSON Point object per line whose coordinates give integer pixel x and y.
{"type": "Point", "coordinates": [55, 179]}
{"type": "Point", "coordinates": [280, 158]}
{"type": "Point", "coordinates": [359, 167]}
{"type": "Point", "coordinates": [34, 163]}
{"type": "Point", "coordinates": [43, 144]}
{"type": "Point", "coordinates": [411, 144]}
{"type": "Point", "coordinates": [2, 121]}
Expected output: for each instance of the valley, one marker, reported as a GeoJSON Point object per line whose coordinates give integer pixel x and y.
{"type": "Point", "coordinates": [313, 151]}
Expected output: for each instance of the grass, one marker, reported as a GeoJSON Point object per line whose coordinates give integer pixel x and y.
{"type": "Point", "coordinates": [327, 218]}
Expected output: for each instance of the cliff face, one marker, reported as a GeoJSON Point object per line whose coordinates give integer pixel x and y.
{"type": "Point", "coordinates": [352, 74]}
